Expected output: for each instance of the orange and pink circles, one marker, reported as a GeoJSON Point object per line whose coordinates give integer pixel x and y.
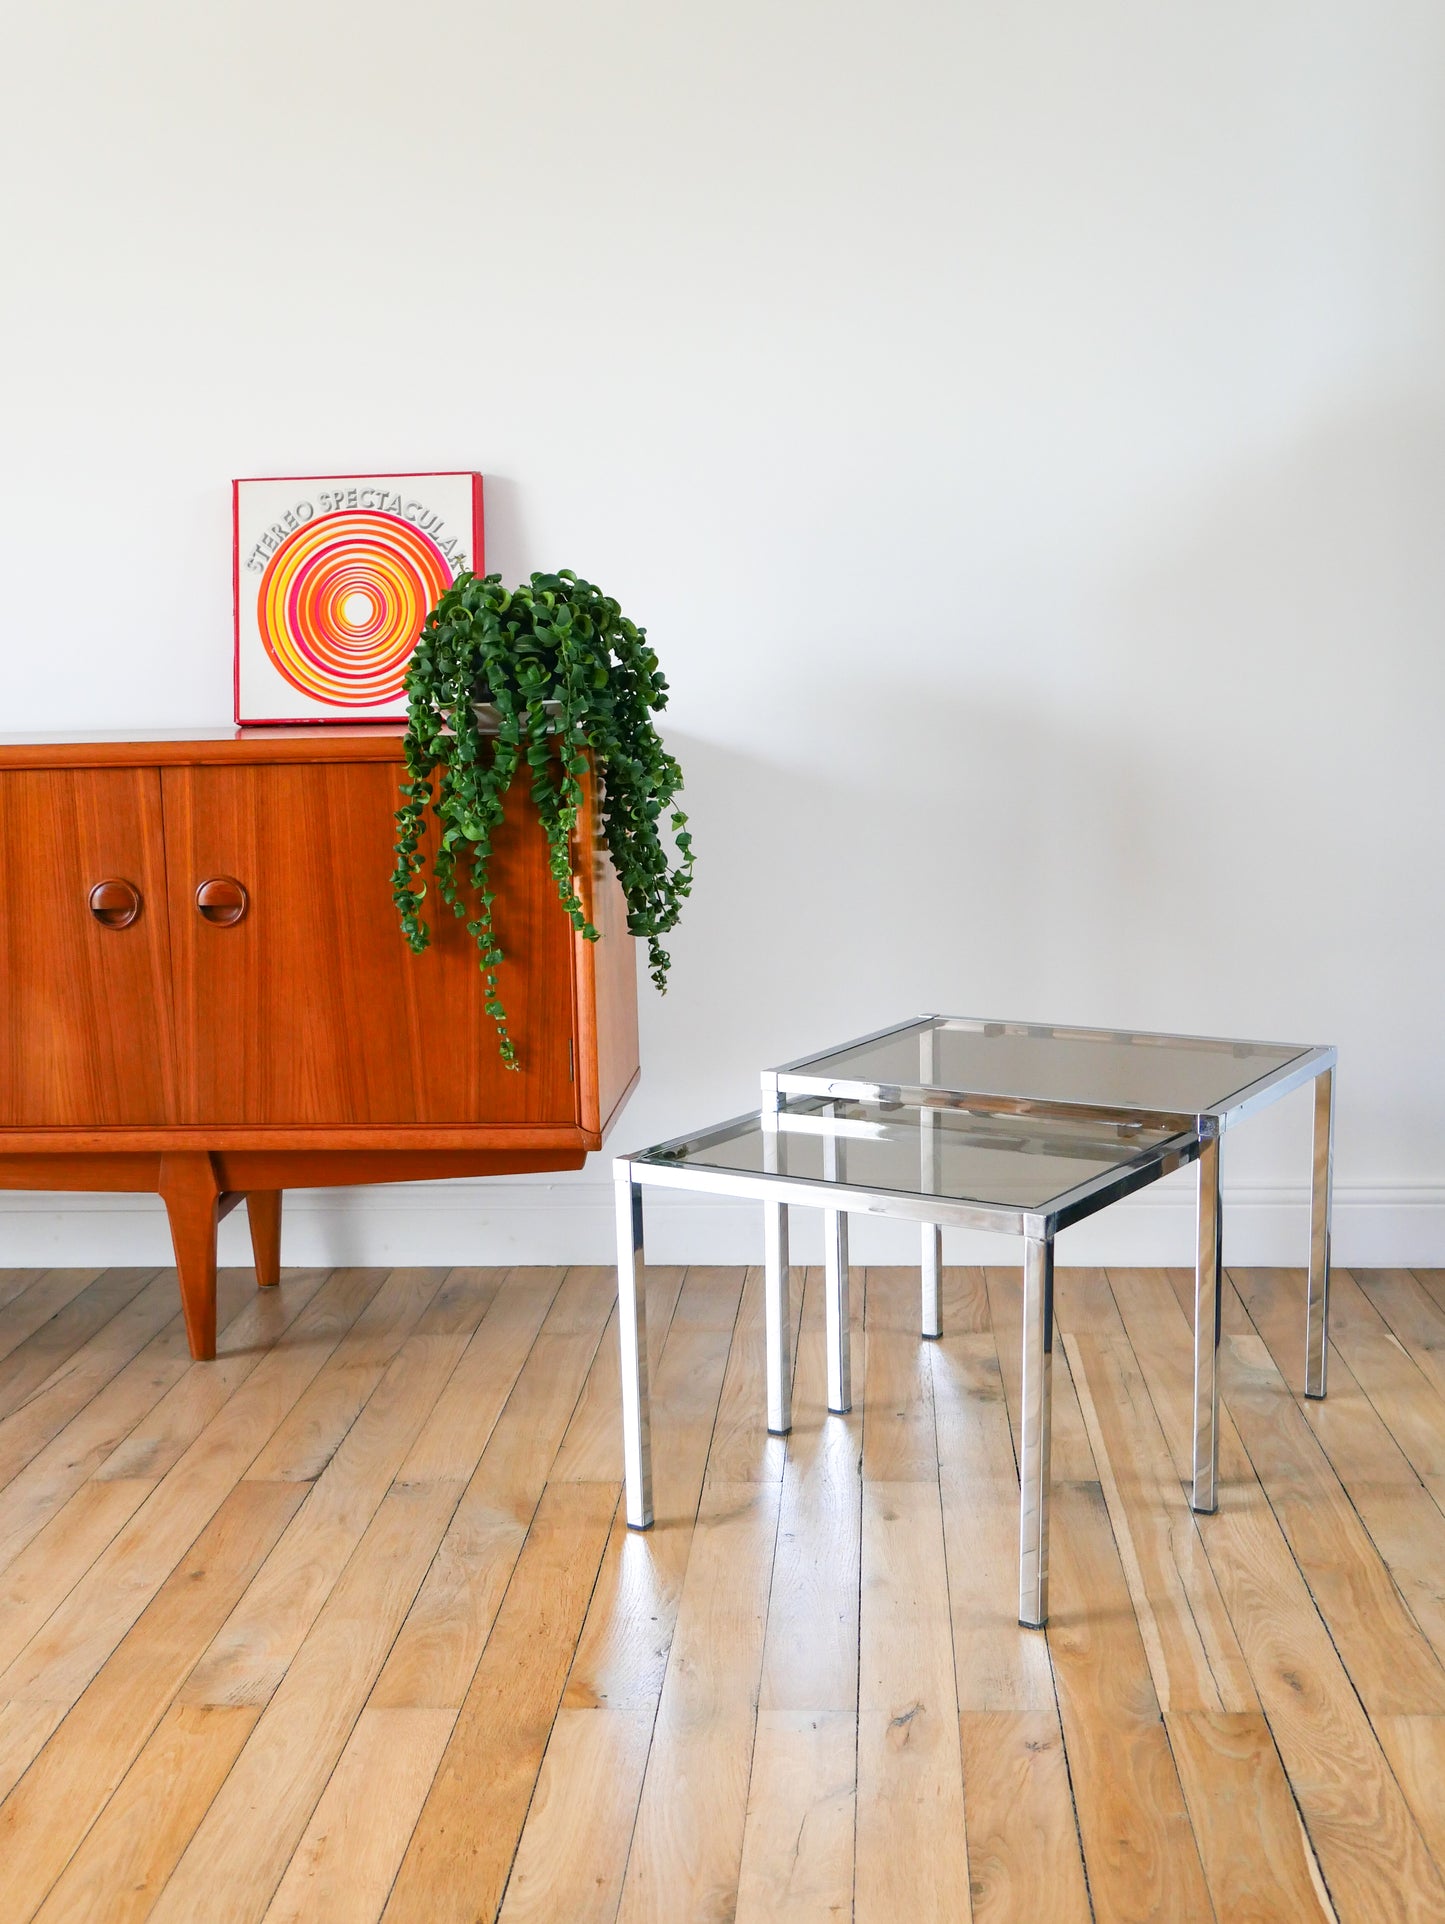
{"type": "Point", "coordinates": [342, 603]}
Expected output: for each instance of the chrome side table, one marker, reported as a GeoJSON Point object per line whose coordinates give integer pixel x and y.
{"type": "Point", "coordinates": [1203, 1084]}
{"type": "Point", "coordinates": [1028, 1176]}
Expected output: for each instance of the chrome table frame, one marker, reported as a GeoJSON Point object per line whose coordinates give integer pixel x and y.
{"type": "Point", "coordinates": [1305, 1064]}
{"type": "Point", "coordinates": [662, 1167]}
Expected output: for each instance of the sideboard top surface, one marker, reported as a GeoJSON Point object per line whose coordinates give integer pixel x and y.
{"type": "Point", "coordinates": [173, 747]}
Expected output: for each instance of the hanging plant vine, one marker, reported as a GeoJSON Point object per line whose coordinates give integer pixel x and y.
{"type": "Point", "coordinates": [569, 676]}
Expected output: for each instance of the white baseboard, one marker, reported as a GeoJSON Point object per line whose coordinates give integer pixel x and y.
{"type": "Point", "coordinates": [1375, 1225]}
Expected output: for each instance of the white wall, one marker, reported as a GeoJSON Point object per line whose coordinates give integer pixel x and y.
{"type": "Point", "coordinates": [1022, 430]}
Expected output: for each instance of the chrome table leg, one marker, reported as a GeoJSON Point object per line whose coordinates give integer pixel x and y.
{"type": "Point", "coordinates": [840, 1362]}
{"type": "Point", "coordinates": [777, 1311]}
{"type": "Point", "coordinates": [1207, 1279]}
{"type": "Point", "coordinates": [632, 1331]}
{"type": "Point", "coordinates": [835, 1273]}
{"type": "Point", "coordinates": [932, 1280]}
{"type": "Point", "coordinates": [1317, 1309]}
{"type": "Point", "coordinates": [777, 1307]}
{"type": "Point", "coordinates": [1038, 1365]}
{"type": "Point", "coordinates": [931, 1274]}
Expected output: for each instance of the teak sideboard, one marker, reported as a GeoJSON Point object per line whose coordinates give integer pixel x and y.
{"type": "Point", "coordinates": [204, 991]}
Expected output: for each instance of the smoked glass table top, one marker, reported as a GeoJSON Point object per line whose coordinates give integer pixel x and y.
{"type": "Point", "coordinates": [1183, 1079]}
{"type": "Point", "coordinates": [932, 1158]}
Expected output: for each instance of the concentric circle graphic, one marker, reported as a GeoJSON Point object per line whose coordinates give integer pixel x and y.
{"type": "Point", "coordinates": [342, 602]}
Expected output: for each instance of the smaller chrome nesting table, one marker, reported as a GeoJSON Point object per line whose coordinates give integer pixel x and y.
{"type": "Point", "coordinates": [1204, 1084]}
{"type": "Point", "coordinates": [1027, 1175]}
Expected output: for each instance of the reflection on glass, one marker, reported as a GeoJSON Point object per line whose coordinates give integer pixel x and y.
{"type": "Point", "coordinates": [1015, 1161]}
{"type": "Point", "coordinates": [1182, 1075]}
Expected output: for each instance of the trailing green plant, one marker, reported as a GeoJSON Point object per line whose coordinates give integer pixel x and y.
{"type": "Point", "coordinates": [569, 677]}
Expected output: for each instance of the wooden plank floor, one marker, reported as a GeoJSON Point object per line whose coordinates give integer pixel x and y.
{"type": "Point", "coordinates": [347, 1625]}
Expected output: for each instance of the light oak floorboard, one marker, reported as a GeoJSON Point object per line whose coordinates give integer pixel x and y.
{"type": "Point", "coordinates": [121, 1868]}
{"type": "Point", "coordinates": [321, 1304]}
{"type": "Point", "coordinates": [59, 1461]}
{"type": "Point", "coordinates": [65, 1653]}
{"type": "Point", "coordinates": [436, 1655]}
{"type": "Point", "coordinates": [1402, 1518]}
{"type": "Point", "coordinates": [1023, 1847]}
{"type": "Point", "coordinates": [74, 1382]}
{"type": "Point", "coordinates": [347, 1859]}
{"type": "Point", "coordinates": [1369, 1847]}
{"type": "Point", "coordinates": [1194, 1657]}
{"type": "Point", "coordinates": [1257, 1858]}
{"type": "Point", "coordinates": [810, 1656]}
{"type": "Point", "coordinates": [622, 1655]}
{"type": "Point", "coordinates": [35, 1361]}
{"type": "Point", "coordinates": [58, 1799]}
{"type": "Point", "coordinates": [241, 1848]}
{"type": "Point", "coordinates": [687, 1843]}
{"type": "Point", "coordinates": [573, 1850]}
{"type": "Point", "coordinates": [50, 1296]}
{"type": "Point", "coordinates": [911, 1849]}
{"type": "Point", "coordinates": [457, 1864]}
{"type": "Point", "coordinates": [797, 1865]}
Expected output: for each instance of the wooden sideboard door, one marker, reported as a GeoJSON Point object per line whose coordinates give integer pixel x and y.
{"type": "Point", "coordinates": [307, 1007]}
{"type": "Point", "coordinates": [85, 1014]}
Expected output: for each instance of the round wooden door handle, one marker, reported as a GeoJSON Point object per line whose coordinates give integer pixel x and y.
{"type": "Point", "coordinates": [222, 900]}
{"type": "Point", "coordinates": [115, 904]}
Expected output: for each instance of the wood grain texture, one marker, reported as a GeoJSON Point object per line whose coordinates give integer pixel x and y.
{"type": "Point", "coordinates": [1194, 1657]}
{"type": "Point", "coordinates": [62, 1644]}
{"type": "Point", "coordinates": [121, 1868]}
{"type": "Point", "coordinates": [268, 1011]}
{"type": "Point", "coordinates": [58, 1799]}
{"type": "Point", "coordinates": [572, 1853]}
{"type": "Point", "coordinates": [911, 1850]}
{"type": "Point", "coordinates": [899, 1444]}
{"type": "Point", "coordinates": [687, 1844]}
{"type": "Point", "coordinates": [460, 1854]}
{"type": "Point", "coordinates": [1024, 1857]}
{"type": "Point", "coordinates": [191, 1191]}
{"type": "Point", "coordinates": [1139, 1846]}
{"type": "Point", "coordinates": [1257, 1858]}
{"type": "Point", "coordinates": [263, 1208]}
{"type": "Point", "coordinates": [219, 747]}
{"type": "Point", "coordinates": [1403, 1520]}
{"type": "Point", "coordinates": [148, 1327]}
{"type": "Point", "coordinates": [346, 1861]}
{"type": "Point", "coordinates": [385, 1519]}
{"type": "Point", "coordinates": [623, 1650]}
{"type": "Point", "coordinates": [253, 1652]}
{"type": "Point", "coordinates": [85, 1021]}
{"type": "Point", "coordinates": [810, 1658]}
{"type": "Point", "coordinates": [241, 1847]}
{"type": "Point", "coordinates": [436, 1656]}
{"type": "Point", "coordinates": [1369, 1847]}
{"type": "Point", "coordinates": [797, 1865]}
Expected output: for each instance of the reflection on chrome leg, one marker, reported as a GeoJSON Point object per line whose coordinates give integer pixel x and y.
{"type": "Point", "coordinates": [632, 1332]}
{"type": "Point", "coordinates": [835, 1271]}
{"type": "Point", "coordinates": [1207, 1261]}
{"type": "Point", "coordinates": [932, 1280]}
{"type": "Point", "coordinates": [1317, 1310]}
{"type": "Point", "coordinates": [779, 1317]}
{"type": "Point", "coordinates": [1037, 1400]}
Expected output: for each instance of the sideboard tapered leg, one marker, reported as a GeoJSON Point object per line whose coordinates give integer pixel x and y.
{"type": "Point", "coordinates": [263, 1211]}
{"type": "Point", "coordinates": [191, 1194]}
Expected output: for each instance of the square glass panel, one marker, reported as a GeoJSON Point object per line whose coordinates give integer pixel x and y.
{"type": "Point", "coordinates": [1004, 1162]}
{"type": "Point", "coordinates": [1148, 1074]}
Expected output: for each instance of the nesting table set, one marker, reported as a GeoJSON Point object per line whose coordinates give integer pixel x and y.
{"type": "Point", "coordinates": [954, 1123]}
